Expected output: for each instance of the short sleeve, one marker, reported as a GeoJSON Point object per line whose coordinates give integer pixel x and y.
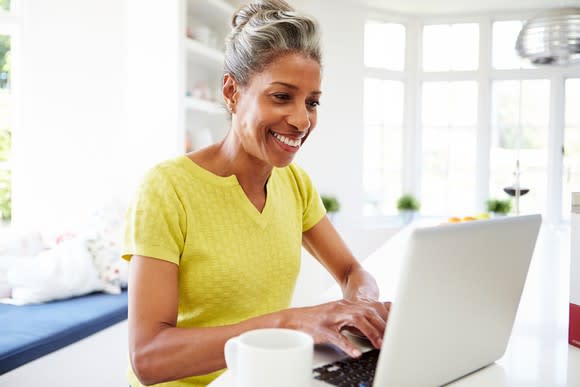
{"type": "Point", "coordinates": [155, 223]}
{"type": "Point", "coordinates": [313, 209]}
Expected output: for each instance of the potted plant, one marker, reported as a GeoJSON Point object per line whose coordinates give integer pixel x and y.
{"type": "Point", "coordinates": [331, 204]}
{"type": "Point", "coordinates": [498, 206]}
{"type": "Point", "coordinates": [408, 206]}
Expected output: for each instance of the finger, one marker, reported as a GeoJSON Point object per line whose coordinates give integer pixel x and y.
{"type": "Point", "coordinates": [377, 314]}
{"type": "Point", "coordinates": [383, 308]}
{"type": "Point", "coordinates": [343, 343]}
{"type": "Point", "coordinates": [378, 322]}
{"type": "Point", "coordinates": [374, 335]}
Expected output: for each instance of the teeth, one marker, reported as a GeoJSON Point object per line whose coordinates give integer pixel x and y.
{"type": "Point", "coordinates": [286, 140]}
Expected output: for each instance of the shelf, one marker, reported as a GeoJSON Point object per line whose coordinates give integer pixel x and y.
{"type": "Point", "coordinates": [216, 13]}
{"type": "Point", "coordinates": [208, 54]}
{"type": "Point", "coordinates": [204, 106]}
{"type": "Point", "coordinates": [223, 6]}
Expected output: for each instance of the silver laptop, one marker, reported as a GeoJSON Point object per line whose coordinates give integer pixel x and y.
{"type": "Point", "coordinates": [456, 302]}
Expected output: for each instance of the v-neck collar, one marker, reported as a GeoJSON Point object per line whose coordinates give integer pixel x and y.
{"type": "Point", "coordinates": [261, 218]}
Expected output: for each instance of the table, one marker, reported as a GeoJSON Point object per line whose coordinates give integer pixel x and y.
{"type": "Point", "coordinates": [538, 353]}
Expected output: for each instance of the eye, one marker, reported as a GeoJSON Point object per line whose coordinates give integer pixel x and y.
{"type": "Point", "coordinates": [313, 104]}
{"type": "Point", "coordinates": [281, 97]}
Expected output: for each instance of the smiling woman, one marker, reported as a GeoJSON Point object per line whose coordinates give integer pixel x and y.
{"type": "Point", "coordinates": [214, 237]}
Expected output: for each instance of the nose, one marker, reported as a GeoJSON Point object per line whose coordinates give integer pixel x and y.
{"type": "Point", "coordinates": [299, 118]}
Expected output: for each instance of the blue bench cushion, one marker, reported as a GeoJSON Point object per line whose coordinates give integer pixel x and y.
{"type": "Point", "coordinates": [31, 331]}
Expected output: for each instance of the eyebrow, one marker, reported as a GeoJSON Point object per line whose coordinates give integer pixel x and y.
{"type": "Point", "coordinates": [291, 86]}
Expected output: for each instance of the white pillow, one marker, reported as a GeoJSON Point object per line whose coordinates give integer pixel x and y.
{"type": "Point", "coordinates": [64, 271]}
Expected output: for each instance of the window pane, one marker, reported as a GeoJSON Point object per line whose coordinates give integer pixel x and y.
{"type": "Point", "coordinates": [527, 141]}
{"type": "Point", "coordinates": [449, 148]}
{"type": "Point", "coordinates": [383, 142]}
{"type": "Point", "coordinates": [571, 170]}
{"type": "Point", "coordinates": [504, 55]}
{"type": "Point", "coordinates": [384, 45]}
{"type": "Point", "coordinates": [465, 43]}
{"type": "Point", "coordinates": [451, 47]}
{"type": "Point", "coordinates": [436, 48]}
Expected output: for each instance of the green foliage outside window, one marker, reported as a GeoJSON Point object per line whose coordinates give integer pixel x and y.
{"type": "Point", "coordinates": [5, 144]}
{"type": "Point", "coordinates": [5, 177]}
{"type": "Point", "coordinates": [5, 195]}
{"type": "Point", "coordinates": [4, 61]}
{"type": "Point", "coordinates": [5, 4]}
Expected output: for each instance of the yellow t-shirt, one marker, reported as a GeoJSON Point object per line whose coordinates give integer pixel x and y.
{"type": "Point", "coordinates": [234, 262]}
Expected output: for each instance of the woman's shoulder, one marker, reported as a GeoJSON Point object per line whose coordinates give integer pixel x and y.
{"type": "Point", "coordinates": [295, 172]}
{"type": "Point", "coordinates": [167, 169]}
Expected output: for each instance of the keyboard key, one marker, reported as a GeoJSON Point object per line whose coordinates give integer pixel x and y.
{"type": "Point", "coordinates": [350, 372]}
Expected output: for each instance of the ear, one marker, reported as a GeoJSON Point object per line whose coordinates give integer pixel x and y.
{"type": "Point", "coordinates": [230, 92]}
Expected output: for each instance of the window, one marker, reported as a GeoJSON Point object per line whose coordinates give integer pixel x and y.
{"type": "Point", "coordinates": [449, 121]}
{"type": "Point", "coordinates": [571, 170]}
{"type": "Point", "coordinates": [504, 55]}
{"type": "Point", "coordinates": [520, 118]}
{"type": "Point", "coordinates": [6, 110]}
{"type": "Point", "coordinates": [383, 143]}
{"type": "Point", "coordinates": [384, 54]}
{"type": "Point", "coordinates": [473, 109]}
{"type": "Point", "coordinates": [451, 47]}
{"type": "Point", "coordinates": [384, 46]}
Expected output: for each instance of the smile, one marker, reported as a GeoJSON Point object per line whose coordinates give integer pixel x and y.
{"type": "Point", "coordinates": [287, 140]}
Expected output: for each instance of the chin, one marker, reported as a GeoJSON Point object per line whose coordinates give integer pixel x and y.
{"type": "Point", "coordinates": [281, 162]}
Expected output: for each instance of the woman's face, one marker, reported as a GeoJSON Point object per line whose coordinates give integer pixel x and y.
{"type": "Point", "coordinates": [275, 112]}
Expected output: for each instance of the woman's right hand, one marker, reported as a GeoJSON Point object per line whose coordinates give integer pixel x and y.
{"type": "Point", "coordinates": [326, 322]}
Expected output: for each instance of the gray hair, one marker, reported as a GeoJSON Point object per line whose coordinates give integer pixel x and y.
{"type": "Point", "coordinates": [263, 30]}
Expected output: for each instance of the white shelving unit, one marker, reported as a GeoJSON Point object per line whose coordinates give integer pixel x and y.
{"type": "Point", "coordinates": [175, 66]}
{"type": "Point", "coordinates": [203, 106]}
{"type": "Point", "coordinates": [203, 53]}
{"type": "Point", "coordinates": [206, 25]}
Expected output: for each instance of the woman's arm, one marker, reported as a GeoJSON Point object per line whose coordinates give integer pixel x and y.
{"type": "Point", "coordinates": [159, 351]}
{"type": "Point", "coordinates": [326, 245]}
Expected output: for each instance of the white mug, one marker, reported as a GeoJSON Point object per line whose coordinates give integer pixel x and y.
{"type": "Point", "coordinates": [270, 357]}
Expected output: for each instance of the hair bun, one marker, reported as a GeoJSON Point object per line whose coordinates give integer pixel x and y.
{"type": "Point", "coordinates": [246, 12]}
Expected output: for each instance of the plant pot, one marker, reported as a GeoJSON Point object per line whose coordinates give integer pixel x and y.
{"type": "Point", "coordinates": [407, 216]}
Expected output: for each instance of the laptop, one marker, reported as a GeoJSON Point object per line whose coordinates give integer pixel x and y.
{"type": "Point", "coordinates": [456, 301]}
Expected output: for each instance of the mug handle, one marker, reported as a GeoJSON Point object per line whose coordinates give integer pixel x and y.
{"type": "Point", "coordinates": [231, 354]}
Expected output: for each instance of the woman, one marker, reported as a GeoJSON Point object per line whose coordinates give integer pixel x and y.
{"type": "Point", "coordinates": [214, 237]}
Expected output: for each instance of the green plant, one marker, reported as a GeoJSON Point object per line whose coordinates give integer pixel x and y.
{"type": "Point", "coordinates": [499, 206]}
{"type": "Point", "coordinates": [331, 203]}
{"type": "Point", "coordinates": [408, 202]}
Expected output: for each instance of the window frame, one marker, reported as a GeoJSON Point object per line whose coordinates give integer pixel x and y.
{"type": "Point", "coordinates": [413, 77]}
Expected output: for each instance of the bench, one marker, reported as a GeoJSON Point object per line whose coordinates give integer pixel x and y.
{"type": "Point", "coordinates": [31, 331]}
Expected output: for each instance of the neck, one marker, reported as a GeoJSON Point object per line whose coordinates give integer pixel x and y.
{"type": "Point", "coordinates": [232, 159]}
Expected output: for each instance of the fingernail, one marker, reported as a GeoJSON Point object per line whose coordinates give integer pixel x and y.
{"type": "Point", "coordinates": [356, 353]}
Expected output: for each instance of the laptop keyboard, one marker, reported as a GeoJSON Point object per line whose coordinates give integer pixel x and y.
{"type": "Point", "coordinates": [350, 372]}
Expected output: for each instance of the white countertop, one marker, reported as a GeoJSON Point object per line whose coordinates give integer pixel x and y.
{"type": "Point", "coordinates": [538, 353]}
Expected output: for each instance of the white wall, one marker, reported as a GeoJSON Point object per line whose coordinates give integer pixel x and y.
{"type": "Point", "coordinates": [70, 141]}
{"type": "Point", "coordinates": [155, 87]}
